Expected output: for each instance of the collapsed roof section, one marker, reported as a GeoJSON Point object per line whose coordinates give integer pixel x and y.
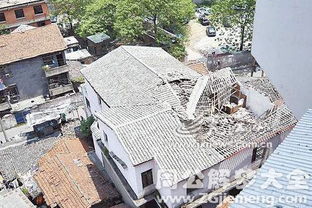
{"type": "Point", "coordinates": [173, 109]}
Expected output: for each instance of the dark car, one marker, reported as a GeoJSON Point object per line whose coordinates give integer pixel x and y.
{"type": "Point", "coordinates": [203, 20]}
{"type": "Point", "coordinates": [211, 31]}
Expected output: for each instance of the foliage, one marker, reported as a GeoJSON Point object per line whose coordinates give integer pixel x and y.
{"type": "Point", "coordinates": [85, 126]}
{"type": "Point", "coordinates": [3, 31]}
{"type": "Point", "coordinates": [69, 11]}
{"type": "Point", "coordinates": [99, 16]}
{"type": "Point", "coordinates": [238, 16]}
{"type": "Point", "coordinates": [135, 18]}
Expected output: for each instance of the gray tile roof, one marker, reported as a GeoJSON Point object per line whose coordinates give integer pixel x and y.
{"type": "Point", "coordinates": [155, 137]}
{"type": "Point", "coordinates": [293, 154]}
{"type": "Point", "coordinates": [15, 199]}
{"type": "Point", "coordinates": [129, 76]}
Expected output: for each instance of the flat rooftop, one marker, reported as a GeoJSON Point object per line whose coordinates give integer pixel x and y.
{"type": "Point", "coordinates": [14, 3]}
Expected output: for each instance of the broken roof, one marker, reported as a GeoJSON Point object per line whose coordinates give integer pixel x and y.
{"type": "Point", "coordinates": [30, 43]}
{"type": "Point", "coordinates": [156, 127]}
{"type": "Point", "coordinates": [132, 75]}
{"type": "Point", "coordinates": [15, 199]}
{"type": "Point", "coordinates": [79, 183]}
{"type": "Point", "coordinates": [13, 3]}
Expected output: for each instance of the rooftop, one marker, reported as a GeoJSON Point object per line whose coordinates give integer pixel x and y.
{"type": "Point", "coordinates": [79, 183]}
{"type": "Point", "coordinates": [136, 75]}
{"type": "Point", "coordinates": [200, 120]}
{"type": "Point", "coordinates": [98, 38]}
{"type": "Point", "coordinates": [291, 160]}
{"type": "Point", "coordinates": [15, 199]}
{"type": "Point", "coordinates": [30, 43]}
{"type": "Point", "coordinates": [13, 3]}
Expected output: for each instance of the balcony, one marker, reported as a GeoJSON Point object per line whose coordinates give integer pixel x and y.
{"type": "Point", "coordinates": [50, 72]}
{"type": "Point", "coordinates": [59, 90]}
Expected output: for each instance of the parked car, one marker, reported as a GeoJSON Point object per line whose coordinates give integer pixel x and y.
{"type": "Point", "coordinates": [211, 31]}
{"type": "Point", "coordinates": [203, 10]}
{"type": "Point", "coordinates": [204, 21]}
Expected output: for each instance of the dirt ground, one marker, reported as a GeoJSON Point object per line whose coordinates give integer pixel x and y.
{"type": "Point", "coordinates": [199, 43]}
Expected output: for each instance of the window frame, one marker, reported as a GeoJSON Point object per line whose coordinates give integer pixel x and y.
{"type": "Point", "coordinates": [258, 153]}
{"type": "Point", "coordinates": [88, 103]}
{"type": "Point", "coordinates": [21, 13]}
{"type": "Point", "coordinates": [147, 178]}
{"type": "Point", "coordinates": [105, 136]}
{"type": "Point", "coordinates": [38, 6]}
{"type": "Point", "coordinates": [4, 19]}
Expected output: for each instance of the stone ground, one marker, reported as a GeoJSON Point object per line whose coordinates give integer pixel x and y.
{"type": "Point", "coordinates": [19, 158]}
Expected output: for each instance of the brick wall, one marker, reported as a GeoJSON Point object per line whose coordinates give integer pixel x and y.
{"type": "Point", "coordinates": [29, 14]}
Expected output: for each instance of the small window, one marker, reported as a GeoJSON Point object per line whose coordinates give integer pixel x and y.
{"type": "Point", "coordinates": [19, 13]}
{"type": "Point", "coordinates": [88, 103]}
{"type": "Point", "coordinates": [38, 9]}
{"type": "Point", "coordinates": [2, 17]}
{"type": "Point", "coordinates": [105, 136]}
{"type": "Point", "coordinates": [258, 153]}
{"type": "Point", "coordinates": [48, 60]}
{"type": "Point", "coordinates": [99, 100]}
{"type": "Point", "coordinates": [147, 178]}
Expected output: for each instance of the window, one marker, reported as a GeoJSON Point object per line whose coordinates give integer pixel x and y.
{"type": "Point", "coordinates": [48, 60]}
{"type": "Point", "coordinates": [258, 153]}
{"type": "Point", "coordinates": [2, 17]}
{"type": "Point", "coordinates": [99, 100]}
{"type": "Point", "coordinates": [38, 9]}
{"type": "Point", "coordinates": [105, 136]}
{"type": "Point", "coordinates": [147, 178]}
{"type": "Point", "coordinates": [88, 103]}
{"type": "Point", "coordinates": [19, 13]}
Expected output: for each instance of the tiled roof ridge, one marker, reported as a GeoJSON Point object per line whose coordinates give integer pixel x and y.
{"type": "Point", "coordinates": [124, 48]}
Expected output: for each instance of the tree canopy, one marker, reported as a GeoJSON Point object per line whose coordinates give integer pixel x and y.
{"type": "Point", "coordinates": [238, 16]}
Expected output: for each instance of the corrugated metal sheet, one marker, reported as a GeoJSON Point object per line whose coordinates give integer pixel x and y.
{"type": "Point", "coordinates": [295, 153]}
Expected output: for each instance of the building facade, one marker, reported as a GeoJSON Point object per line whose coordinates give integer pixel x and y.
{"type": "Point", "coordinates": [24, 12]}
{"type": "Point", "coordinates": [33, 67]}
{"type": "Point", "coordinates": [281, 46]}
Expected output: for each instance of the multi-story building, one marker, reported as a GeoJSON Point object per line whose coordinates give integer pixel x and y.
{"type": "Point", "coordinates": [32, 66]}
{"type": "Point", "coordinates": [14, 13]}
{"type": "Point", "coordinates": [161, 127]}
{"type": "Point", "coordinates": [282, 46]}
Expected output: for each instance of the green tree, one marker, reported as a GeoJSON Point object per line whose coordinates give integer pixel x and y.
{"type": "Point", "coordinates": [99, 16]}
{"type": "Point", "coordinates": [69, 11]}
{"type": "Point", "coordinates": [85, 126]}
{"type": "Point", "coordinates": [3, 30]}
{"type": "Point", "coordinates": [238, 15]}
{"type": "Point", "coordinates": [135, 18]}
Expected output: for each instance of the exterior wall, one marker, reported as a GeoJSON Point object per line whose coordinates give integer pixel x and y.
{"type": "Point", "coordinates": [282, 44]}
{"type": "Point", "coordinates": [29, 14]}
{"type": "Point", "coordinates": [131, 173]}
{"type": "Point", "coordinates": [29, 78]}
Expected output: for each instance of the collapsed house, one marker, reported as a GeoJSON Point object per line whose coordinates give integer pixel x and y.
{"type": "Point", "coordinates": [157, 118]}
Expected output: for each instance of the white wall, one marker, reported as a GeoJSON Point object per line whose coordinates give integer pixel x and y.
{"type": "Point", "coordinates": [282, 45]}
{"type": "Point", "coordinates": [131, 173]}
